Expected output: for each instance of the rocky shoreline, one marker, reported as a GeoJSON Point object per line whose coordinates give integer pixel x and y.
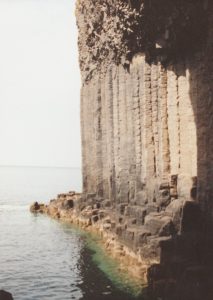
{"type": "Point", "coordinates": [164, 263]}
{"type": "Point", "coordinates": [98, 217]}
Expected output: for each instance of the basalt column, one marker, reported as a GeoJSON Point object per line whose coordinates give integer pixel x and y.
{"type": "Point", "coordinates": [147, 118]}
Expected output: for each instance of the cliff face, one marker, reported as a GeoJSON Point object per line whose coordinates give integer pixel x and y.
{"type": "Point", "coordinates": [146, 113]}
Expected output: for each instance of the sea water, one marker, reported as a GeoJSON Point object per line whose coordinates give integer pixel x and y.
{"type": "Point", "coordinates": [41, 258]}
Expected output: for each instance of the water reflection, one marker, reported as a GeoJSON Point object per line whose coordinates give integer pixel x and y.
{"type": "Point", "coordinates": [40, 258]}
{"type": "Point", "coordinates": [94, 284]}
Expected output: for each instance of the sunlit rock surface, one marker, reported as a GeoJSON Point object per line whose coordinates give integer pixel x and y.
{"type": "Point", "coordinates": [147, 123]}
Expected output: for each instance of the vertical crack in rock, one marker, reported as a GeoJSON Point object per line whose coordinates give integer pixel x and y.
{"type": "Point", "coordinates": [146, 119]}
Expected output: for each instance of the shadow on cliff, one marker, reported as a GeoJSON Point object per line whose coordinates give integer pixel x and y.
{"type": "Point", "coordinates": [185, 271]}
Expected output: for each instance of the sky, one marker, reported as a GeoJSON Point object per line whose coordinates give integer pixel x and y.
{"type": "Point", "coordinates": [39, 84]}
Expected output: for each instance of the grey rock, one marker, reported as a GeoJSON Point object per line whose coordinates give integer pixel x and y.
{"type": "Point", "coordinates": [155, 223]}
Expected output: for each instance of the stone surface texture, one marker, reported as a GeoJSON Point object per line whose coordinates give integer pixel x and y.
{"type": "Point", "coordinates": [147, 136]}
{"type": "Point", "coordinates": [147, 121]}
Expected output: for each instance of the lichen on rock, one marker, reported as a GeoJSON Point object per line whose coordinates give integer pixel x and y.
{"type": "Point", "coordinates": [114, 31]}
{"type": "Point", "coordinates": [105, 29]}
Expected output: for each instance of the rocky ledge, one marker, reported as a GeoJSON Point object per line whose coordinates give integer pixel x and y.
{"type": "Point", "coordinates": [96, 217]}
{"type": "Point", "coordinates": [152, 251]}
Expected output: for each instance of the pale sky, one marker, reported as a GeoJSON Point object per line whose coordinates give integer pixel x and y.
{"type": "Point", "coordinates": [39, 83]}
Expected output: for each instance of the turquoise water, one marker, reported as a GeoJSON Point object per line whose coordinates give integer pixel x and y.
{"type": "Point", "coordinates": [41, 258]}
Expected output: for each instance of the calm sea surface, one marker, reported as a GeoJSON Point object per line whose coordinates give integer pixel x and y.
{"type": "Point", "coordinates": [41, 258]}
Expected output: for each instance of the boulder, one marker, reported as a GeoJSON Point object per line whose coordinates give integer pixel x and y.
{"type": "Point", "coordinates": [164, 197]}
{"type": "Point", "coordinates": [37, 208]}
{"type": "Point", "coordinates": [106, 203]}
{"type": "Point", "coordinates": [72, 193]}
{"type": "Point", "coordinates": [141, 237]}
{"type": "Point", "coordinates": [62, 196]}
{"type": "Point", "coordinates": [34, 207]}
{"type": "Point", "coordinates": [175, 210]}
{"type": "Point", "coordinates": [67, 204]}
{"type": "Point", "coordinates": [154, 222]}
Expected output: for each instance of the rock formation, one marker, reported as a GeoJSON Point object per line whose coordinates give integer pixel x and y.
{"type": "Point", "coordinates": [147, 123]}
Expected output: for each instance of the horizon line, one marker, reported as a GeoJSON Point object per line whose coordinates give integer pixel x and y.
{"type": "Point", "coordinates": [38, 166]}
